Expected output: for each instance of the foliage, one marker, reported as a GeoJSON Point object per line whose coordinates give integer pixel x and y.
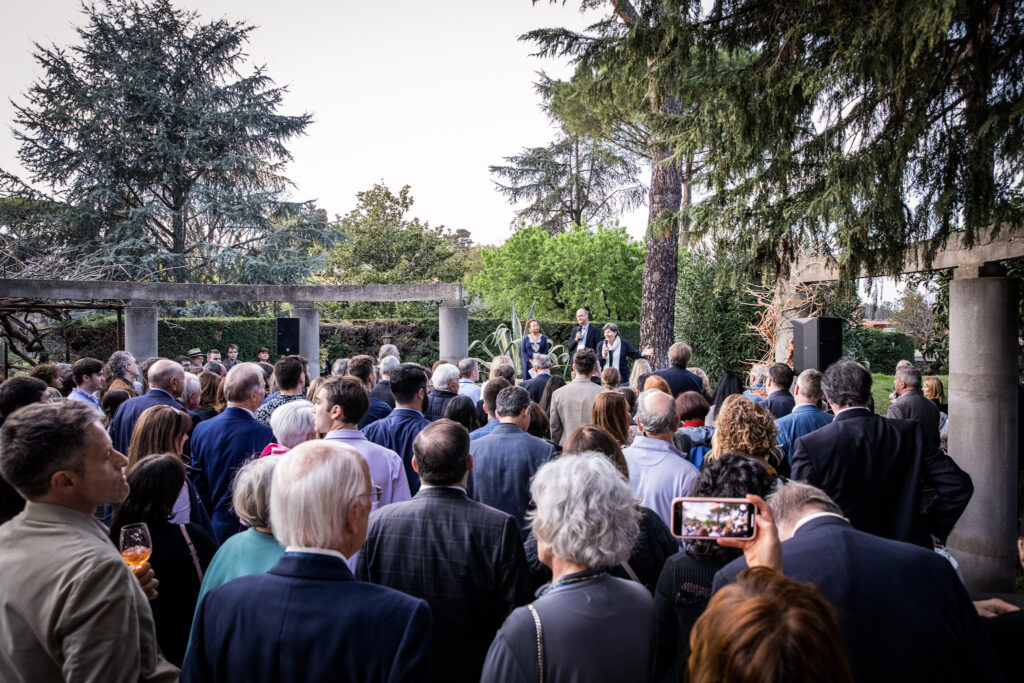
{"type": "Point", "coordinates": [508, 341]}
{"type": "Point", "coordinates": [165, 162]}
{"type": "Point", "coordinates": [713, 315]}
{"type": "Point", "coordinates": [596, 267]}
{"type": "Point", "coordinates": [377, 244]}
{"type": "Point", "coordinates": [883, 350]}
{"type": "Point", "coordinates": [854, 129]}
{"type": "Point", "coordinates": [914, 318]}
{"type": "Point", "coordinates": [881, 387]}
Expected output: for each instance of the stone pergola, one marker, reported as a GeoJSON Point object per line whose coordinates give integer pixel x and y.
{"type": "Point", "coordinates": [141, 315]}
{"type": "Point", "coordinates": [983, 386]}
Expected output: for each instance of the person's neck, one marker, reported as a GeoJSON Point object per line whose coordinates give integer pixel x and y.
{"type": "Point", "coordinates": [343, 425]}
{"type": "Point", "coordinates": [776, 390]}
{"type": "Point", "coordinates": [163, 389]}
{"type": "Point", "coordinates": [561, 567]}
{"type": "Point", "coordinates": [297, 391]}
{"type": "Point", "coordinates": [805, 402]}
{"type": "Point", "coordinates": [409, 406]}
{"type": "Point", "coordinates": [244, 406]}
{"type": "Point", "coordinates": [667, 437]}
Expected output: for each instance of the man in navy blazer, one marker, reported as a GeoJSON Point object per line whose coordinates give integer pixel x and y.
{"type": "Point", "coordinates": [308, 618]}
{"type": "Point", "coordinates": [223, 444]}
{"type": "Point", "coordinates": [680, 379]}
{"type": "Point", "coordinates": [584, 334]}
{"type": "Point", "coordinates": [507, 458]}
{"type": "Point", "coordinates": [779, 401]}
{"type": "Point", "coordinates": [397, 430]}
{"type": "Point", "coordinates": [903, 613]}
{"type": "Point", "coordinates": [464, 558]}
{"type": "Point", "coordinates": [876, 469]}
{"type": "Point", "coordinates": [166, 384]}
{"type": "Point", "coordinates": [805, 417]}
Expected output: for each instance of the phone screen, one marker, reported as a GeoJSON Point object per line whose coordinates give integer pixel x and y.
{"type": "Point", "coordinates": [711, 518]}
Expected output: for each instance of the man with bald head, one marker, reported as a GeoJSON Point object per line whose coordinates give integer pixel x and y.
{"type": "Point", "coordinates": [166, 385]}
{"type": "Point", "coordinates": [308, 618]}
{"type": "Point", "coordinates": [223, 444]}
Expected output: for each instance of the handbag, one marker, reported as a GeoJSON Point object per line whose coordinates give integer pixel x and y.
{"type": "Point", "coordinates": [540, 642]}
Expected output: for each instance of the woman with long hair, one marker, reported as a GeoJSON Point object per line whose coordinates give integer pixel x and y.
{"type": "Point", "coordinates": [554, 384]}
{"type": "Point", "coordinates": [209, 407]}
{"type": "Point", "coordinates": [181, 552]}
{"type": "Point", "coordinates": [611, 413]}
{"type": "Point", "coordinates": [728, 384]}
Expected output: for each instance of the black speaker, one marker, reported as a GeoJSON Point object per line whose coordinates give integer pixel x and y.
{"type": "Point", "coordinates": [287, 336]}
{"type": "Point", "coordinates": [817, 343]}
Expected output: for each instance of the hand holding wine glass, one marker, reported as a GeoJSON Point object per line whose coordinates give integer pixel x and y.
{"type": "Point", "coordinates": [136, 546]}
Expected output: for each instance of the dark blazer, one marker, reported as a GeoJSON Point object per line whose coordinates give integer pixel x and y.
{"type": "Point", "coordinates": [382, 390]}
{"type": "Point", "coordinates": [127, 415]}
{"type": "Point", "coordinates": [590, 339]}
{"type": "Point", "coordinates": [680, 380]}
{"type": "Point", "coordinates": [378, 409]}
{"type": "Point", "coordinates": [877, 470]}
{"type": "Point", "coordinates": [779, 403]}
{"type": "Point", "coordinates": [626, 350]}
{"type": "Point", "coordinates": [536, 386]}
{"type": "Point", "coordinates": [504, 462]}
{"type": "Point", "coordinates": [437, 401]}
{"type": "Point", "coordinates": [397, 431]}
{"type": "Point", "coordinates": [464, 558]}
{"type": "Point", "coordinates": [903, 612]}
{"type": "Point", "coordinates": [912, 405]}
{"type": "Point", "coordinates": [307, 619]}
{"type": "Point", "coordinates": [219, 447]}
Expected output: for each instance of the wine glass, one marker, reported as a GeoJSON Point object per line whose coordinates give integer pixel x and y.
{"type": "Point", "coordinates": [136, 546]}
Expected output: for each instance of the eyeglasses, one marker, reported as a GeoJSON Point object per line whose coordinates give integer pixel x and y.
{"type": "Point", "coordinates": [374, 493]}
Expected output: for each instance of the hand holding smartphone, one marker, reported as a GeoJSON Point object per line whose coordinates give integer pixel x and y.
{"type": "Point", "coordinates": [708, 519]}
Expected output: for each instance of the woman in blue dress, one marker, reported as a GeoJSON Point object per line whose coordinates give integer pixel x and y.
{"type": "Point", "coordinates": [533, 343]}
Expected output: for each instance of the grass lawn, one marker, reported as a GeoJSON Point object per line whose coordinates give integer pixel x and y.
{"type": "Point", "coordinates": [881, 387]}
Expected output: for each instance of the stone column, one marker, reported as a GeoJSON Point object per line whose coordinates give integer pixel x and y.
{"type": "Point", "coordinates": [983, 424]}
{"type": "Point", "coordinates": [453, 331]}
{"type": "Point", "coordinates": [140, 335]}
{"type": "Point", "coordinates": [309, 335]}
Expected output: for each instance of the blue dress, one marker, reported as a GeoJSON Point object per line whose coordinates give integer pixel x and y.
{"type": "Point", "coordinates": [530, 349]}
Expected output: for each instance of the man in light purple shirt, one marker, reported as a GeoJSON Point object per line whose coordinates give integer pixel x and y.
{"type": "Point", "coordinates": [88, 376]}
{"type": "Point", "coordinates": [338, 406]}
{"type": "Point", "coordinates": [658, 472]}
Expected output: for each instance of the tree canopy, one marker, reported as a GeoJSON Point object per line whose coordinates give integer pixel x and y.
{"type": "Point", "coordinates": [163, 159]}
{"type": "Point", "coordinates": [596, 267]}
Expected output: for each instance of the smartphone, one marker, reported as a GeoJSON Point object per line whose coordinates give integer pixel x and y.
{"type": "Point", "coordinates": [705, 519]}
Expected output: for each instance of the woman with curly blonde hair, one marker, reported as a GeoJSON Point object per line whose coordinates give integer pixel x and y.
{"type": "Point", "coordinates": [742, 426]}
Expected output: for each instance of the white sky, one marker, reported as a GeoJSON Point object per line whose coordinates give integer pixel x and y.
{"type": "Point", "coordinates": [427, 94]}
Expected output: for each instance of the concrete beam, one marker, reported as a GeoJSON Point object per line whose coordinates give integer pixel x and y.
{"type": "Point", "coordinates": [103, 290]}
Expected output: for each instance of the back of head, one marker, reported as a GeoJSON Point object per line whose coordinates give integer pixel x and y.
{"type": "Point", "coordinates": [18, 392]}
{"type": "Point", "coordinates": [157, 430]}
{"type": "Point", "coordinates": [347, 392]}
{"type": "Point", "coordinates": [389, 364]}
{"type": "Point", "coordinates": [511, 401]}
{"type": "Point", "coordinates": [503, 370]}
{"type": "Point", "coordinates": [656, 412]}
{"type": "Point", "coordinates": [656, 383]}
{"type": "Point", "coordinates": [250, 491]}
{"type": "Point", "coordinates": [540, 424]}
{"type": "Point", "coordinates": [388, 350]}
{"type": "Point", "coordinates": [153, 486]}
{"type": "Point", "coordinates": [462, 409]}
{"type": "Point", "coordinates": [796, 499]}
{"type": "Point", "coordinates": [208, 384]}
{"type": "Point", "coordinates": [293, 423]}
{"type": "Point", "coordinates": [241, 381]}
{"type": "Point", "coordinates": [112, 400]}
{"type": "Point", "coordinates": [630, 397]}
{"type": "Point", "coordinates": [745, 427]}
{"type": "Point", "coordinates": [406, 380]}
{"type": "Point", "coordinates": [467, 366]}
{"type": "Point", "coordinates": [41, 439]}
{"type": "Point", "coordinates": [610, 378]}
{"type": "Point", "coordinates": [846, 383]}
{"type": "Point", "coordinates": [768, 628]}
{"type": "Point", "coordinates": [593, 438]}
{"type": "Point", "coordinates": [289, 372]}
{"type": "Point", "coordinates": [679, 354]}
{"type": "Point", "coordinates": [641, 367]}
{"type": "Point", "coordinates": [162, 372]}
{"type": "Point", "coordinates": [781, 375]}
{"type": "Point", "coordinates": [910, 376]}
{"type": "Point", "coordinates": [214, 367]}
{"type": "Point", "coordinates": [611, 412]}
{"type": "Point", "coordinates": [85, 366]}
{"type": "Point", "coordinates": [311, 490]}
{"type": "Point", "coordinates": [728, 384]}
{"type": "Point", "coordinates": [360, 367]}
{"type": "Point", "coordinates": [441, 451]}
{"type": "Point", "coordinates": [490, 392]}
{"type": "Point", "coordinates": [705, 382]}
{"type": "Point", "coordinates": [691, 405]}
{"type": "Point", "coordinates": [340, 366]}
{"type": "Point", "coordinates": [584, 361]}
{"type": "Point", "coordinates": [541, 361]}
{"type": "Point", "coordinates": [47, 372]}
{"type": "Point", "coordinates": [444, 376]}
{"type": "Point", "coordinates": [809, 385]}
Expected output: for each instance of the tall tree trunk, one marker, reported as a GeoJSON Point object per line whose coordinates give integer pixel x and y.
{"type": "Point", "coordinates": [977, 83]}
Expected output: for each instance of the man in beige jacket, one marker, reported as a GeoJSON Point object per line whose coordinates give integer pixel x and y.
{"type": "Point", "coordinates": [571, 405]}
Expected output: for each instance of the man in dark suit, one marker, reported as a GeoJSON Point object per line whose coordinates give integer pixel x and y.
{"type": "Point", "coordinates": [876, 469]}
{"type": "Point", "coordinates": [382, 389]}
{"type": "Point", "coordinates": [308, 618]}
{"type": "Point", "coordinates": [779, 401]}
{"type": "Point", "coordinates": [397, 430]}
{"type": "Point", "coordinates": [223, 444]}
{"type": "Point", "coordinates": [464, 558]}
{"type": "Point", "coordinates": [584, 335]}
{"type": "Point", "coordinates": [542, 373]}
{"type": "Point", "coordinates": [507, 458]}
{"type": "Point", "coordinates": [911, 403]}
{"type": "Point", "coordinates": [903, 613]}
{"type": "Point", "coordinates": [678, 377]}
{"type": "Point", "coordinates": [166, 384]}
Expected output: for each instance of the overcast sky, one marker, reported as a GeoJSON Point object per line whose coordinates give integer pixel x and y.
{"type": "Point", "coordinates": [427, 94]}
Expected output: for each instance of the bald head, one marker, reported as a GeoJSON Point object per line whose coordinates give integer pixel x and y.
{"type": "Point", "coordinates": [656, 413]}
{"type": "Point", "coordinates": [167, 375]}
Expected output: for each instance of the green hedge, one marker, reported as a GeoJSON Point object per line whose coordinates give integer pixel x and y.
{"type": "Point", "coordinates": [883, 350]}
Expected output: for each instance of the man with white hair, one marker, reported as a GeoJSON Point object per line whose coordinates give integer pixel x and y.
{"type": "Point", "coordinates": [541, 363]}
{"type": "Point", "coordinates": [191, 394]}
{"type": "Point", "coordinates": [911, 403]}
{"type": "Point", "coordinates": [308, 618]}
{"type": "Point", "coordinates": [469, 374]}
{"type": "Point", "coordinates": [221, 445]}
{"type": "Point", "coordinates": [166, 382]}
{"type": "Point", "coordinates": [446, 387]}
{"type": "Point", "coordinates": [382, 389]}
{"type": "Point", "coordinates": [658, 472]}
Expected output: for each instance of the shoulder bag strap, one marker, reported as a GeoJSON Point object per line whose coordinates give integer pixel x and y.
{"type": "Point", "coordinates": [192, 551]}
{"type": "Point", "coordinates": [540, 642]}
{"type": "Point", "coordinates": [629, 570]}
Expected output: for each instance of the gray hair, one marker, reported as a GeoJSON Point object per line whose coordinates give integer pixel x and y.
{"type": "Point", "coordinates": [445, 374]}
{"type": "Point", "coordinates": [119, 362]}
{"type": "Point", "coordinates": [214, 367]}
{"type": "Point", "coordinates": [467, 366]}
{"type": "Point", "coordinates": [541, 361]}
{"type": "Point", "coordinates": [904, 364]}
{"type": "Point", "coordinates": [584, 510]}
{"type": "Point", "coordinates": [242, 380]}
{"type": "Point", "coordinates": [192, 386]}
{"type": "Point", "coordinates": [311, 491]}
{"type": "Point", "coordinates": [809, 383]}
{"type": "Point", "coordinates": [847, 383]}
{"type": "Point", "coordinates": [389, 364]}
{"type": "Point", "coordinates": [388, 350]}
{"type": "Point", "coordinates": [659, 418]}
{"type": "Point", "coordinates": [910, 376]}
{"type": "Point", "coordinates": [250, 491]}
{"type": "Point", "coordinates": [340, 366]}
{"type": "Point", "coordinates": [512, 401]}
{"type": "Point", "coordinates": [293, 422]}
{"type": "Point", "coordinates": [498, 361]}
{"type": "Point", "coordinates": [795, 499]}
{"type": "Point", "coordinates": [610, 326]}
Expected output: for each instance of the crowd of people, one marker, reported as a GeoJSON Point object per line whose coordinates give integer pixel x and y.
{"type": "Point", "coordinates": [390, 521]}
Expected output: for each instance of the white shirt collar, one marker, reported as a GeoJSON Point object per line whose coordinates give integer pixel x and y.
{"type": "Point", "coordinates": [453, 486]}
{"type": "Point", "coordinates": [852, 408]}
{"type": "Point", "coordinates": [316, 551]}
{"type": "Point", "coordinates": [815, 515]}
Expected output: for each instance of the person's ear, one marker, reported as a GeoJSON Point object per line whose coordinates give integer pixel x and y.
{"type": "Point", "coordinates": [336, 413]}
{"type": "Point", "coordinates": [415, 465]}
{"type": "Point", "coordinates": [469, 462]}
{"type": "Point", "coordinates": [62, 481]}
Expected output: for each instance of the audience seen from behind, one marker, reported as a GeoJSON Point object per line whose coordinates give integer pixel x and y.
{"type": "Point", "coordinates": [445, 381]}
{"type": "Point", "coordinates": [806, 416]}
{"type": "Point", "coordinates": [491, 389]}
{"type": "Point", "coordinates": [462, 409]}
{"type": "Point", "coordinates": [361, 367]}
{"type": "Point", "coordinates": [290, 376]}
{"type": "Point", "coordinates": [292, 423]}
{"type": "Point", "coordinates": [611, 413]}
{"type": "Point", "coordinates": [397, 431]}
{"type": "Point", "coordinates": [743, 426]}
{"type": "Point", "coordinates": [571, 405]}
{"type": "Point", "coordinates": [779, 401]}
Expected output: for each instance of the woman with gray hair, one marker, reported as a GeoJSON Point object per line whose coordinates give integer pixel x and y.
{"type": "Point", "coordinates": [255, 550]}
{"type": "Point", "coordinates": [614, 351]}
{"type": "Point", "coordinates": [586, 625]}
{"type": "Point", "coordinates": [292, 423]}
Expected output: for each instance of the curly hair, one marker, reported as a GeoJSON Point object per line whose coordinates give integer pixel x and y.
{"type": "Point", "coordinates": [745, 427]}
